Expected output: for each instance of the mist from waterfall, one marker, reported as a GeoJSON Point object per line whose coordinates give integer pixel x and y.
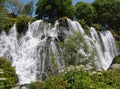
{"type": "Point", "coordinates": [36, 54]}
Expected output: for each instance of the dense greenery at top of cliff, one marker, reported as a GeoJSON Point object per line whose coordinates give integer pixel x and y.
{"type": "Point", "coordinates": [100, 12]}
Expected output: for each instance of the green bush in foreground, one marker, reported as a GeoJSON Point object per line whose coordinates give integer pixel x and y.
{"type": "Point", "coordinates": [81, 78]}
{"type": "Point", "coordinates": [7, 74]}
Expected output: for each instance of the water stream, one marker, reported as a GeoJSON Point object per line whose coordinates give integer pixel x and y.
{"type": "Point", "coordinates": [36, 54]}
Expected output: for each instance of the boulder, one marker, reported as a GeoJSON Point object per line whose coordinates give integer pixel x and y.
{"type": "Point", "coordinates": [115, 66]}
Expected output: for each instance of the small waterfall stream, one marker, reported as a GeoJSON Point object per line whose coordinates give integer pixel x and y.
{"type": "Point", "coordinates": [36, 55]}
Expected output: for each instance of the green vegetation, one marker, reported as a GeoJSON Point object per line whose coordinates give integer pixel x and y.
{"type": "Point", "coordinates": [85, 11]}
{"type": "Point", "coordinates": [101, 14]}
{"type": "Point", "coordinates": [15, 6]}
{"type": "Point", "coordinates": [9, 23]}
{"type": "Point", "coordinates": [80, 77]}
{"type": "Point", "coordinates": [118, 45]}
{"type": "Point", "coordinates": [98, 27]}
{"type": "Point", "coordinates": [7, 74]}
{"type": "Point", "coordinates": [28, 8]}
{"type": "Point", "coordinates": [2, 13]}
{"type": "Point", "coordinates": [22, 23]}
{"type": "Point", "coordinates": [117, 60]}
{"type": "Point", "coordinates": [52, 10]}
{"type": "Point", "coordinates": [72, 45]}
{"type": "Point", "coordinates": [108, 13]}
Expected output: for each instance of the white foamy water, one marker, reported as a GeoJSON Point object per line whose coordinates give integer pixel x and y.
{"type": "Point", "coordinates": [33, 53]}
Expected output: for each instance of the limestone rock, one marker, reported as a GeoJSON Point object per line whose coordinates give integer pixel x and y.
{"type": "Point", "coordinates": [115, 66]}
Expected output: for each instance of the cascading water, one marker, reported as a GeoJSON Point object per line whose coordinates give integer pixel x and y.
{"type": "Point", "coordinates": [105, 46]}
{"type": "Point", "coordinates": [36, 54]}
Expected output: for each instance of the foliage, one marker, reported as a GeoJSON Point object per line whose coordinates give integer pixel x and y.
{"type": "Point", "coordinates": [98, 27]}
{"type": "Point", "coordinates": [117, 60]}
{"type": "Point", "coordinates": [50, 83]}
{"type": "Point", "coordinates": [28, 8]}
{"type": "Point", "coordinates": [2, 13]}
{"type": "Point", "coordinates": [85, 11]}
{"type": "Point", "coordinates": [52, 10]}
{"type": "Point", "coordinates": [83, 23]}
{"type": "Point", "coordinates": [14, 6]}
{"type": "Point", "coordinates": [80, 77]}
{"type": "Point", "coordinates": [9, 23]}
{"type": "Point", "coordinates": [108, 13]}
{"type": "Point", "coordinates": [7, 78]}
{"type": "Point", "coordinates": [76, 49]}
{"type": "Point", "coordinates": [22, 23]}
{"type": "Point", "coordinates": [35, 85]}
{"type": "Point", "coordinates": [118, 45]}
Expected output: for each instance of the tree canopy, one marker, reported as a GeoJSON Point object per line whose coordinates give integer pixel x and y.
{"type": "Point", "coordinates": [14, 6]}
{"type": "Point", "coordinates": [108, 12]}
{"type": "Point", "coordinates": [85, 11]}
{"type": "Point", "coordinates": [28, 8]}
{"type": "Point", "coordinates": [2, 13]}
{"type": "Point", "coordinates": [54, 9]}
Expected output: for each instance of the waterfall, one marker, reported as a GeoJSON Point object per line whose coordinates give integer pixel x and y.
{"type": "Point", "coordinates": [36, 55]}
{"type": "Point", "coordinates": [105, 46]}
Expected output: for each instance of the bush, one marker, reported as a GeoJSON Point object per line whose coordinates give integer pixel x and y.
{"type": "Point", "coordinates": [80, 77]}
{"type": "Point", "coordinates": [117, 60]}
{"type": "Point", "coordinates": [83, 23]}
{"type": "Point", "coordinates": [9, 23]}
{"type": "Point", "coordinates": [75, 50]}
{"type": "Point", "coordinates": [98, 27]}
{"type": "Point", "coordinates": [22, 23]}
{"type": "Point", "coordinates": [7, 75]}
{"type": "Point", "coordinates": [118, 45]}
{"type": "Point", "coordinates": [50, 83]}
{"type": "Point", "coordinates": [35, 85]}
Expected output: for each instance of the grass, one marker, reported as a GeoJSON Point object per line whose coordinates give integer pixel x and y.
{"type": "Point", "coordinates": [118, 45]}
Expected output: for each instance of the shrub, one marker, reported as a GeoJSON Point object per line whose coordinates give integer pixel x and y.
{"type": "Point", "coordinates": [50, 83]}
{"type": "Point", "coordinates": [118, 45]}
{"type": "Point", "coordinates": [80, 77]}
{"type": "Point", "coordinates": [117, 60]}
{"type": "Point", "coordinates": [9, 23]}
{"type": "Point", "coordinates": [98, 27]}
{"type": "Point", "coordinates": [7, 76]}
{"type": "Point", "coordinates": [35, 85]}
{"type": "Point", "coordinates": [75, 50]}
{"type": "Point", "coordinates": [83, 23]}
{"type": "Point", "coordinates": [22, 23]}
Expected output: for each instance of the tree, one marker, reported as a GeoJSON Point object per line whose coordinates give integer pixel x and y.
{"type": "Point", "coordinates": [54, 9]}
{"type": "Point", "coordinates": [76, 49]}
{"type": "Point", "coordinates": [28, 8]}
{"type": "Point", "coordinates": [2, 13]}
{"type": "Point", "coordinates": [85, 11]}
{"type": "Point", "coordinates": [14, 6]}
{"type": "Point", "coordinates": [108, 12]}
